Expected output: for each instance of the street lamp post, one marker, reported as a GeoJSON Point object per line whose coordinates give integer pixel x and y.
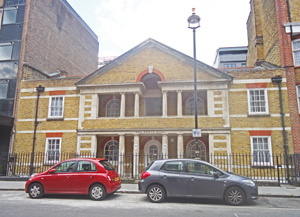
{"type": "Point", "coordinates": [194, 23]}
{"type": "Point", "coordinates": [39, 90]}
{"type": "Point", "coordinates": [278, 80]}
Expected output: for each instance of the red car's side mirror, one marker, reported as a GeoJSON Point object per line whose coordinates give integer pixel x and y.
{"type": "Point", "coordinates": [52, 171]}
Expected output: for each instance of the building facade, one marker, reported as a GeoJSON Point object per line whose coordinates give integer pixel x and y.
{"type": "Point", "coordinates": [41, 36]}
{"type": "Point", "coordinates": [274, 38]}
{"type": "Point", "coordinates": [141, 104]}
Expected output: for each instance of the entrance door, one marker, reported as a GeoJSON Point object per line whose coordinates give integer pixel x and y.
{"type": "Point", "coordinates": [152, 151]}
{"type": "Point", "coordinates": [196, 151]}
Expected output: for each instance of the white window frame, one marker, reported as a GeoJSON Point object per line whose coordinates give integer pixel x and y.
{"type": "Point", "coordinates": [115, 114]}
{"type": "Point", "coordinates": [296, 51]}
{"type": "Point", "coordinates": [49, 108]}
{"type": "Point", "coordinates": [262, 163]}
{"type": "Point", "coordinates": [200, 106]}
{"type": "Point", "coordinates": [47, 161]}
{"type": "Point", "coordinates": [112, 155]}
{"type": "Point", "coordinates": [266, 101]}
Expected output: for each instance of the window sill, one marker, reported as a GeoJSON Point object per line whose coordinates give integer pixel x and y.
{"type": "Point", "coordinates": [50, 163]}
{"type": "Point", "coordinates": [262, 166]}
{"type": "Point", "coordinates": [259, 115]}
{"type": "Point", "coordinates": [55, 119]}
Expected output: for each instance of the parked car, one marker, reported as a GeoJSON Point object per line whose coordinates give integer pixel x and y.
{"type": "Point", "coordinates": [93, 177]}
{"type": "Point", "coordinates": [194, 178]}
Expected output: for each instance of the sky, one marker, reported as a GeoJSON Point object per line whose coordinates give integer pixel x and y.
{"type": "Point", "coordinates": [122, 24]}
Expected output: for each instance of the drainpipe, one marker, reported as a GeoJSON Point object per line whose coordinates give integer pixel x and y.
{"type": "Point", "coordinates": [278, 80]}
{"type": "Point", "coordinates": [289, 16]}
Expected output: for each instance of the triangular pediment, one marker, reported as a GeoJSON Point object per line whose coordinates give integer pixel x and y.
{"type": "Point", "coordinates": [150, 55]}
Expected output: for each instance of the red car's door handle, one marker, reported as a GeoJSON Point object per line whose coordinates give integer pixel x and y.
{"type": "Point", "coordinates": [91, 177]}
{"type": "Point", "coordinates": [68, 177]}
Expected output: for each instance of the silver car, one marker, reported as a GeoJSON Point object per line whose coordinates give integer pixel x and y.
{"type": "Point", "coordinates": [194, 178]}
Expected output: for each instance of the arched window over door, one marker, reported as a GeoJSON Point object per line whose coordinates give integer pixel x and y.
{"type": "Point", "coordinates": [111, 150]}
{"type": "Point", "coordinates": [189, 106]}
{"type": "Point", "coordinates": [194, 150]}
{"type": "Point", "coordinates": [152, 151]}
{"type": "Point", "coordinates": [113, 108]}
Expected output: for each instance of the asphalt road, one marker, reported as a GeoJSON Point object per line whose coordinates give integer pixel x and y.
{"type": "Point", "coordinates": [18, 204]}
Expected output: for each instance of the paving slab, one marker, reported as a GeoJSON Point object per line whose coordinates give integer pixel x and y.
{"type": "Point", "coordinates": [263, 191]}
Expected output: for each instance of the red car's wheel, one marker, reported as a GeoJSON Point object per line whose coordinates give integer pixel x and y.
{"type": "Point", "coordinates": [97, 192]}
{"type": "Point", "coordinates": [36, 190]}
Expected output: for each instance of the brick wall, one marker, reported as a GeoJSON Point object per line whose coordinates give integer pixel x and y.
{"type": "Point", "coordinates": [295, 8]}
{"type": "Point", "coordinates": [57, 40]}
{"type": "Point", "coordinates": [263, 42]}
{"type": "Point", "coordinates": [287, 62]}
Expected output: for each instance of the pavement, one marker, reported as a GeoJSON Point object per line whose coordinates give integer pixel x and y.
{"type": "Point", "coordinates": [263, 191]}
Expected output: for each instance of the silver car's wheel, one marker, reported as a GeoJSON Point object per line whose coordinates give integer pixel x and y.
{"type": "Point", "coordinates": [36, 190]}
{"type": "Point", "coordinates": [235, 196]}
{"type": "Point", "coordinates": [97, 192]}
{"type": "Point", "coordinates": [156, 193]}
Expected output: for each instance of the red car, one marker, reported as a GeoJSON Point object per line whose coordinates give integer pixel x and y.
{"type": "Point", "coordinates": [90, 176]}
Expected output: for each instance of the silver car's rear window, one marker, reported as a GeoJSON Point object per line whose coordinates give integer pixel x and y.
{"type": "Point", "coordinates": [148, 167]}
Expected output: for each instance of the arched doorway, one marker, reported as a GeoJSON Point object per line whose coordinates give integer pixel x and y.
{"type": "Point", "coordinates": [194, 150]}
{"type": "Point", "coordinates": [152, 151]}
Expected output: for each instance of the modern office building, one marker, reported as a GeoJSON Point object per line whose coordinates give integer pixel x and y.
{"type": "Point", "coordinates": [231, 57]}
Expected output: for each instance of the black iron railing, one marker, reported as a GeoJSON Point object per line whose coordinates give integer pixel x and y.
{"type": "Point", "coordinates": [271, 168]}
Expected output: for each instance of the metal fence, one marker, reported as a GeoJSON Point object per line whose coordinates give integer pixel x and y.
{"type": "Point", "coordinates": [271, 168]}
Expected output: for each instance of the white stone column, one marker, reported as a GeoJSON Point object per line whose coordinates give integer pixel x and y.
{"type": "Point", "coordinates": [78, 145]}
{"type": "Point", "coordinates": [94, 146]}
{"type": "Point", "coordinates": [121, 155]}
{"type": "Point", "coordinates": [210, 103]}
{"type": "Point", "coordinates": [136, 152]}
{"type": "Point", "coordinates": [122, 107]}
{"type": "Point", "coordinates": [95, 106]}
{"type": "Point", "coordinates": [179, 103]}
{"type": "Point", "coordinates": [180, 149]}
{"type": "Point", "coordinates": [165, 104]}
{"type": "Point", "coordinates": [211, 148]}
{"type": "Point", "coordinates": [226, 108]}
{"type": "Point", "coordinates": [81, 111]}
{"type": "Point", "coordinates": [165, 151]}
{"type": "Point", "coordinates": [136, 105]}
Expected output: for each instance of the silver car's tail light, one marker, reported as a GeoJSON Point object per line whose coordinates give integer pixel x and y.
{"type": "Point", "coordinates": [145, 175]}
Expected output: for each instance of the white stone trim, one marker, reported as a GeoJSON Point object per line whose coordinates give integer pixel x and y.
{"type": "Point", "coordinates": [33, 90]}
{"type": "Point", "coordinates": [42, 119]}
{"type": "Point", "coordinates": [245, 89]}
{"type": "Point", "coordinates": [45, 97]}
{"type": "Point", "coordinates": [47, 131]}
{"type": "Point", "coordinates": [248, 129]}
{"type": "Point", "coordinates": [245, 81]}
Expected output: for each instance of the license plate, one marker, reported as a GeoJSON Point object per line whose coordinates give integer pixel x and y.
{"type": "Point", "coordinates": [117, 179]}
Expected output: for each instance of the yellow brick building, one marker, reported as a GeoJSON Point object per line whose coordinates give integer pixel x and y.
{"type": "Point", "coordinates": [141, 104]}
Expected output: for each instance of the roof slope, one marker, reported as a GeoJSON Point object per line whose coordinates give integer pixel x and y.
{"type": "Point", "coordinates": [151, 43]}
